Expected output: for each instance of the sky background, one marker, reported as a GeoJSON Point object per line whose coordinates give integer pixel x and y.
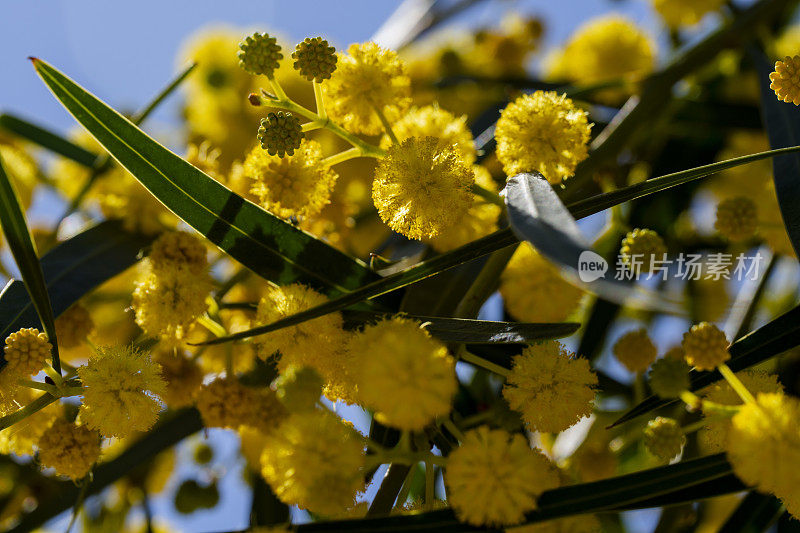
{"type": "Point", "coordinates": [125, 52]}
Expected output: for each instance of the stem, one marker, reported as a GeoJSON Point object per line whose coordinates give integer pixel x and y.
{"type": "Point", "coordinates": [386, 125]}
{"type": "Point", "coordinates": [34, 407]}
{"type": "Point", "coordinates": [341, 157]}
{"type": "Point", "coordinates": [485, 283]}
{"type": "Point", "coordinates": [483, 363]}
{"type": "Point", "coordinates": [46, 387]}
{"type": "Point", "coordinates": [211, 325]}
{"type": "Point", "coordinates": [407, 482]}
{"type": "Point", "coordinates": [736, 384]}
{"type": "Point", "coordinates": [489, 196]}
{"type": "Point", "coordinates": [453, 429]}
{"type": "Point", "coordinates": [319, 100]}
{"type": "Point", "coordinates": [277, 89]}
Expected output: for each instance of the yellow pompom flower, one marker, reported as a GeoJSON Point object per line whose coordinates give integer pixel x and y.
{"type": "Point", "coordinates": [534, 291]}
{"type": "Point", "coordinates": [26, 352]}
{"type": "Point", "coordinates": [494, 478]}
{"type": "Point", "coordinates": [314, 461]}
{"type": "Point", "coordinates": [296, 185]}
{"type": "Point", "coordinates": [73, 326]}
{"type": "Point", "coordinates": [177, 248]}
{"type": "Point", "coordinates": [635, 350]}
{"type": "Point", "coordinates": [677, 13]}
{"type": "Point", "coordinates": [402, 373]}
{"type": "Point", "coordinates": [542, 132]}
{"type": "Point", "coordinates": [664, 438]}
{"type": "Point", "coordinates": [785, 81]}
{"type": "Point", "coordinates": [227, 403]}
{"type": "Point", "coordinates": [367, 79]}
{"type": "Point", "coordinates": [705, 346]}
{"type": "Point", "coordinates": [183, 379]}
{"type": "Point", "coordinates": [70, 449]}
{"type": "Point", "coordinates": [763, 447]}
{"type": "Point", "coordinates": [669, 376]}
{"type": "Point", "coordinates": [121, 386]}
{"type": "Point", "coordinates": [551, 387]}
{"type": "Point", "coordinates": [431, 121]}
{"type": "Point", "coordinates": [604, 48]}
{"type": "Point", "coordinates": [737, 218]}
{"type": "Point", "coordinates": [168, 299]}
{"type": "Point", "coordinates": [419, 189]}
{"type": "Point", "coordinates": [479, 221]}
{"type": "Point", "coordinates": [641, 248]}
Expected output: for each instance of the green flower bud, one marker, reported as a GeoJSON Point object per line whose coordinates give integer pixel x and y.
{"type": "Point", "coordinates": [315, 60]}
{"type": "Point", "coordinates": [664, 438]}
{"type": "Point", "coordinates": [260, 54]}
{"type": "Point", "coordinates": [299, 388]}
{"type": "Point", "coordinates": [669, 377]}
{"type": "Point", "coordinates": [280, 133]}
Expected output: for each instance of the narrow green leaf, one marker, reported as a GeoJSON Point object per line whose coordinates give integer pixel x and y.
{"type": "Point", "coordinates": [262, 242]}
{"type": "Point", "coordinates": [47, 139]}
{"type": "Point", "coordinates": [20, 242]}
{"type": "Point", "coordinates": [754, 514]}
{"type": "Point", "coordinates": [475, 331]}
{"type": "Point", "coordinates": [766, 342]}
{"type": "Point", "coordinates": [71, 270]}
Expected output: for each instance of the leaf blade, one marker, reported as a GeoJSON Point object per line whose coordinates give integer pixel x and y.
{"type": "Point", "coordinates": [47, 139]}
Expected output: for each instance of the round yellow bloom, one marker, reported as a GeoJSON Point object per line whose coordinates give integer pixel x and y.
{"type": "Point", "coordinates": [121, 386]}
{"type": "Point", "coordinates": [226, 403]}
{"type": "Point", "coordinates": [23, 437]}
{"type": "Point", "coordinates": [296, 185]}
{"type": "Point", "coordinates": [604, 48]}
{"type": "Point", "coordinates": [737, 218]}
{"type": "Point", "coordinates": [402, 373]}
{"type": "Point", "coordinates": [764, 447]}
{"type": "Point", "coordinates": [70, 449]}
{"type": "Point", "coordinates": [419, 190]}
{"type": "Point", "coordinates": [73, 326]}
{"type": "Point", "coordinates": [178, 248]}
{"type": "Point", "coordinates": [677, 13]}
{"type": "Point", "coordinates": [705, 346]}
{"type": "Point", "coordinates": [635, 350]}
{"type": "Point", "coordinates": [314, 461]}
{"type": "Point", "coordinates": [669, 376]}
{"type": "Point", "coordinates": [786, 80]}
{"type": "Point", "coordinates": [494, 478]}
{"type": "Point", "coordinates": [664, 438]}
{"type": "Point", "coordinates": [551, 387]}
{"type": "Point", "coordinates": [26, 352]}
{"type": "Point", "coordinates": [183, 378]}
{"type": "Point", "coordinates": [168, 299]}
{"type": "Point", "coordinates": [533, 290]}
{"type": "Point", "coordinates": [430, 121]}
{"type": "Point", "coordinates": [542, 132]}
{"type": "Point", "coordinates": [251, 444]}
{"type": "Point", "coordinates": [367, 79]}
{"type": "Point", "coordinates": [641, 248]}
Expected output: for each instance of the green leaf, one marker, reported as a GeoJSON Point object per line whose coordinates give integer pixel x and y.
{"type": "Point", "coordinates": [754, 514]}
{"type": "Point", "coordinates": [267, 245]}
{"type": "Point", "coordinates": [20, 242]}
{"type": "Point", "coordinates": [782, 121]}
{"type": "Point", "coordinates": [766, 342]}
{"type": "Point", "coordinates": [71, 270]}
{"type": "Point", "coordinates": [475, 331]}
{"type": "Point", "coordinates": [48, 139]}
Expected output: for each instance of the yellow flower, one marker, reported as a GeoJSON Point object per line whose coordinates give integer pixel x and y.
{"type": "Point", "coordinates": [677, 13]}
{"type": "Point", "coordinates": [669, 376]}
{"type": "Point", "coordinates": [705, 346]}
{"type": "Point", "coordinates": [314, 461]}
{"type": "Point", "coordinates": [479, 221]}
{"type": "Point", "coordinates": [737, 218]}
{"type": "Point", "coordinates": [641, 248]}
{"type": "Point", "coordinates": [367, 79]}
{"type": "Point", "coordinates": [168, 299]}
{"type": "Point", "coordinates": [604, 48]}
{"type": "Point", "coordinates": [298, 388]}
{"type": "Point", "coordinates": [121, 386]}
{"type": "Point", "coordinates": [664, 438]}
{"type": "Point", "coordinates": [177, 248]}
{"type": "Point", "coordinates": [70, 449]}
{"type": "Point", "coordinates": [533, 290]}
{"type": "Point", "coordinates": [494, 478]}
{"type": "Point", "coordinates": [251, 444]}
{"type": "Point", "coordinates": [786, 80]}
{"type": "Point", "coordinates": [551, 387]}
{"type": "Point", "coordinates": [635, 350]}
{"type": "Point", "coordinates": [402, 373]}
{"type": "Point", "coordinates": [296, 185]}
{"type": "Point", "coordinates": [73, 326]}
{"type": "Point", "coordinates": [26, 352]}
{"type": "Point", "coordinates": [430, 121]}
{"type": "Point", "coordinates": [227, 403]}
{"type": "Point", "coordinates": [713, 436]}
{"type": "Point", "coordinates": [420, 190]}
{"type": "Point", "coordinates": [23, 437]}
{"type": "Point", "coordinates": [764, 447]}
{"type": "Point", "coordinates": [217, 73]}
{"type": "Point", "coordinates": [123, 198]}
{"type": "Point", "coordinates": [183, 378]}
{"type": "Point", "coordinates": [542, 132]}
